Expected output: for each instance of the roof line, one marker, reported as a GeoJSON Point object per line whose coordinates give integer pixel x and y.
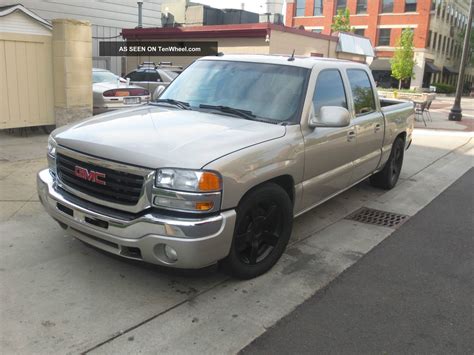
{"type": "Point", "coordinates": [19, 7]}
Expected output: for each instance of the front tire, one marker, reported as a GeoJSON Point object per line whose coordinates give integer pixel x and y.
{"type": "Point", "coordinates": [262, 231]}
{"type": "Point", "coordinates": [387, 178]}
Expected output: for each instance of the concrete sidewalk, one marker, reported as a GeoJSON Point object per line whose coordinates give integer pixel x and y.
{"type": "Point", "coordinates": [60, 296]}
{"type": "Point", "coordinates": [411, 295]}
{"type": "Point", "coordinates": [440, 109]}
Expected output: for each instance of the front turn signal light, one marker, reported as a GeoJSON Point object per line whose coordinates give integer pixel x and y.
{"type": "Point", "coordinates": [209, 181]}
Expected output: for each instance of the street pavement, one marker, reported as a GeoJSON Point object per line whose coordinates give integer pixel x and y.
{"type": "Point", "coordinates": [412, 294]}
{"type": "Point", "coordinates": [58, 295]}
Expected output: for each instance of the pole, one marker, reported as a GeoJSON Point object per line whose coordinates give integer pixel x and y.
{"type": "Point", "coordinates": [456, 111]}
{"type": "Point", "coordinates": [140, 21]}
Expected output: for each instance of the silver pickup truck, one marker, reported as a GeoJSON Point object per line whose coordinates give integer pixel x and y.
{"type": "Point", "coordinates": [218, 166]}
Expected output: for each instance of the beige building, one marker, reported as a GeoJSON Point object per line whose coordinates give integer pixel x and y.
{"type": "Point", "coordinates": [257, 38]}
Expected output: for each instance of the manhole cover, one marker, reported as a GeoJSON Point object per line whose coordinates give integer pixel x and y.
{"type": "Point", "coordinates": [379, 218]}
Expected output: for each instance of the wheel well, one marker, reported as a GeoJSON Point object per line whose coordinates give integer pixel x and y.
{"type": "Point", "coordinates": [286, 182]}
{"type": "Point", "coordinates": [403, 136]}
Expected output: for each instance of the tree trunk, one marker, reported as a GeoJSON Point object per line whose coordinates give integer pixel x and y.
{"type": "Point", "coordinates": [399, 84]}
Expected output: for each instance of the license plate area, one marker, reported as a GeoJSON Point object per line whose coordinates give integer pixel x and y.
{"type": "Point", "coordinates": [131, 100]}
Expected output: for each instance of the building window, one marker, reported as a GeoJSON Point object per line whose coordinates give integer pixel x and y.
{"type": "Point", "coordinates": [361, 7]}
{"type": "Point", "coordinates": [317, 30]}
{"type": "Point", "coordinates": [428, 41]}
{"type": "Point", "coordinates": [410, 5]}
{"type": "Point", "coordinates": [359, 31]}
{"type": "Point", "coordinates": [440, 38]}
{"type": "Point", "coordinates": [300, 6]}
{"type": "Point", "coordinates": [318, 8]}
{"type": "Point", "coordinates": [444, 44]}
{"type": "Point", "coordinates": [384, 37]}
{"type": "Point", "coordinates": [387, 6]}
{"type": "Point", "coordinates": [433, 44]}
{"type": "Point", "coordinates": [341, 5]}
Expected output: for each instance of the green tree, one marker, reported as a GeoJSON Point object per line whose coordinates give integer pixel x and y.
{"type": "Point", "coordinates": [403, 62]}
{"type": "Point", "coordinates": [341, 22]}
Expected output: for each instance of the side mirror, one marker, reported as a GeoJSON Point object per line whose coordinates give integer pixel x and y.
{"type": "Point", "coordinates": [330, 116]}
{"type": "Point", "coordinates": [156, 94]}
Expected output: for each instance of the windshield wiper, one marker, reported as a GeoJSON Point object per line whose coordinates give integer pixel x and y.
{"type": "Point", "coordinates": [248, 115]}
{"type": "Point", "coordinates": [181, 104]}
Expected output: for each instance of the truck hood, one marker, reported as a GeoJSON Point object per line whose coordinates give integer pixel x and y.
{"type": "Point", "coordinates": [155, 137]}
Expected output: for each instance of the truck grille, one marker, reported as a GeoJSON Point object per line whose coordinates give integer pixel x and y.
{"type": "Point", "coordinates": [120, 187]}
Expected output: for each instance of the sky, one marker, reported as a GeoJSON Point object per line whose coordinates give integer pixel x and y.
{"type": "Point", "coordinates": [257, 6]}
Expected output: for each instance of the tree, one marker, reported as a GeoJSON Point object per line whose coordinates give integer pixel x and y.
{"type": "Point", "coordinates": [403, 62]}
{"type": "Point", "coordinates": [341, 22]}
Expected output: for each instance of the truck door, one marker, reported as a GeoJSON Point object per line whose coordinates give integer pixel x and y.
{"type": "Point", "coordinates": [369, 124]}
{"type": "Point", "coordinates": [329, 151]}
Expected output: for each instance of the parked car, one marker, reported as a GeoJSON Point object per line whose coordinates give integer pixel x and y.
{"type": "Point", "coordinates": [111, 92]}
{"type": "Point", "coordinates": [149, 75]}
{"type": "Point", "coordinates": [214, 172]}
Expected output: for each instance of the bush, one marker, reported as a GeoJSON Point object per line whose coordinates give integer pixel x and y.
{"type": "Point", "coordinates": [444, 88]}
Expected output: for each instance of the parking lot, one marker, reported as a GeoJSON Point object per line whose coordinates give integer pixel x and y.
{"type": "Point", "coordinates": [61, 296]}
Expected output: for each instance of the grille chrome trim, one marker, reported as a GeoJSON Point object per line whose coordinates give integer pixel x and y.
{"type": "Point", "coordinates": [147, 174]}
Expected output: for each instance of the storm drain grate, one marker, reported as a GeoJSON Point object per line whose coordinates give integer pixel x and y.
{"type": "Point", "coordinates": [379, 218]}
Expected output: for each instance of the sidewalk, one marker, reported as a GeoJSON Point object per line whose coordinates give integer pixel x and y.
{"type": "Point", "coordinates": [440, 109]}
{"type": "Point", "coordinates": [411, 294]}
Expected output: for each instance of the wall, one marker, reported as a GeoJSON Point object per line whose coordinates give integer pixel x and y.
{"type": "Point", "coordinates": [225, 45]}
{"type": "Point", "coordinates": [107, 17]}
{"type": "Point", "coordinates": [284, 43]}
{"type": "Point", "coordinates": [26, 78]}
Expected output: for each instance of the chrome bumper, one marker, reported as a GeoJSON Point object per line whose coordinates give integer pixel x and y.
{"type": "Point", "coordinates": [198, 242]}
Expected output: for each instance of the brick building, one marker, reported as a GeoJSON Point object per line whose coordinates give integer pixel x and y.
{"type": "Point", "coordinates": [437, 24]}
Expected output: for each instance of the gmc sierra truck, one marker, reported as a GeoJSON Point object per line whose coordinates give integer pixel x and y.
{"type": "Point", "coordinates": [218, 166]}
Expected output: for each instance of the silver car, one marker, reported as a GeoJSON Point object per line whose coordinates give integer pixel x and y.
{"type": "Point", "coordinates": [111, 92]}
{"type": "Point", "coordinates": [150, 76]}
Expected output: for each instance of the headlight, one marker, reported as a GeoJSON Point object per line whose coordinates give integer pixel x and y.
{"type": "Point", "coordinates": [188, 180]}
{"type": "Point", "coordinates": [52, 147]}
{"type": "Point", "coordinates": [187, 190]}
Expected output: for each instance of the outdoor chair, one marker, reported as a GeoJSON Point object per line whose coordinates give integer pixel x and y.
{"type": "Point", "coordinates": [427, 110]}
{"type": "Point", "coordinates": [420, 109]}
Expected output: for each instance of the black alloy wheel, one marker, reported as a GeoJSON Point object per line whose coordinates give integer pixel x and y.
{"type": "Point", "coordinates": [262, 230]}
{"type": "Point", "coordinates": [388, 177]}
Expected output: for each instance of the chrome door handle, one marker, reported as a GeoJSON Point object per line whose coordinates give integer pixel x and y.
{"type": "Point", "coordinates": [350, 135]}
{"type": "Point", "coordinates": [377, 127]}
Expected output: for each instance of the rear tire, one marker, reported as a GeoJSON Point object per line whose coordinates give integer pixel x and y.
{"type": "Point", "coordinates": [262, 231]}
{"type": "Point", "coordinates": [387, 178]}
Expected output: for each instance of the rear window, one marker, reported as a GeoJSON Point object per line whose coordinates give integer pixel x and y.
{"type": "Point", "coordinates": [144, 75]}
{"type": "Point", "coordinates": [362, 92]}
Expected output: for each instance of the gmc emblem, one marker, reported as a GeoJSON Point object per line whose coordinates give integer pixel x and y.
{"type": "Point", "coordinates": [89, 175]}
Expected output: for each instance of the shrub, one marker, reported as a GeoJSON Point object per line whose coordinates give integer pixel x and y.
{"type": "Point", "coordinates": [444, 88]}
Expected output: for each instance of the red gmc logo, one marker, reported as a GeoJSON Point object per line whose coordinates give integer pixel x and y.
{"type": "Point", "coordinates": [89, 175]}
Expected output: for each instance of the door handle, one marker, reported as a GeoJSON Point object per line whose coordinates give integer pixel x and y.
{"type": "Point", "coordinates": [350, 136]}
{"type": "Point", "coordinates": [377, 127]}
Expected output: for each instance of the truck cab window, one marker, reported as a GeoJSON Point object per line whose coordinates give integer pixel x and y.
{"type": "Point", "coordinates": [362, 92]}
{"type": "Point", "coordinates": [329, 90]}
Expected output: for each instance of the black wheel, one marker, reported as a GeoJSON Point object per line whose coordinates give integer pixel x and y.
{"type": "Point", "coordinates": [262, 230]}
{"type": "Point", "coordinates": [387, 178]}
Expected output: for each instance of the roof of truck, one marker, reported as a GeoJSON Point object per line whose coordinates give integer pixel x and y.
{"type": "Point", "coordinates": [299, 61]}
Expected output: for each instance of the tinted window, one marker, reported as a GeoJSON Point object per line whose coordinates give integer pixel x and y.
{"type": "Point", "coordinates": [362, 92]}
{"type": "Point", "coordinates": [329, 90]}
{"type": "Point", "coordinates": [143, 75]}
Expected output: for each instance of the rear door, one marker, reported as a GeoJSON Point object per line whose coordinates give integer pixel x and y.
{"type": "Point", "coordinates": [369, 124]}
{"type": "Point", "coordinates": [329, 151]}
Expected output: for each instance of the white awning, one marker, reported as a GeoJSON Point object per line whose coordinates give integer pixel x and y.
{"type": "Point", "coordinates": [381, 64]}
{"type": "Point", "coordinates": [354, 44]}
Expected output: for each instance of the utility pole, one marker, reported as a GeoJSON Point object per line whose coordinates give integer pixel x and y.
{"type": "Point", "coordinates": [456, 111]}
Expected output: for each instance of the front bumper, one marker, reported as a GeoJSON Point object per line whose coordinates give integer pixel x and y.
{"type": "Point", "coordinates": [198, 242]}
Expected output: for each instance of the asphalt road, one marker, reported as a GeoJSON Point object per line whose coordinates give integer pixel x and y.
{"type": "Point", "coordinates": [411, 294]}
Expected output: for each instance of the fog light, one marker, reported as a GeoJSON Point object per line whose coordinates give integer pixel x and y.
{"type": "Point", "coordinates": [170, 253]}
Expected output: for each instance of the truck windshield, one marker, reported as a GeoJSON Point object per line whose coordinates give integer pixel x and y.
{"type": "Point", "coordinates": [267, 91]}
